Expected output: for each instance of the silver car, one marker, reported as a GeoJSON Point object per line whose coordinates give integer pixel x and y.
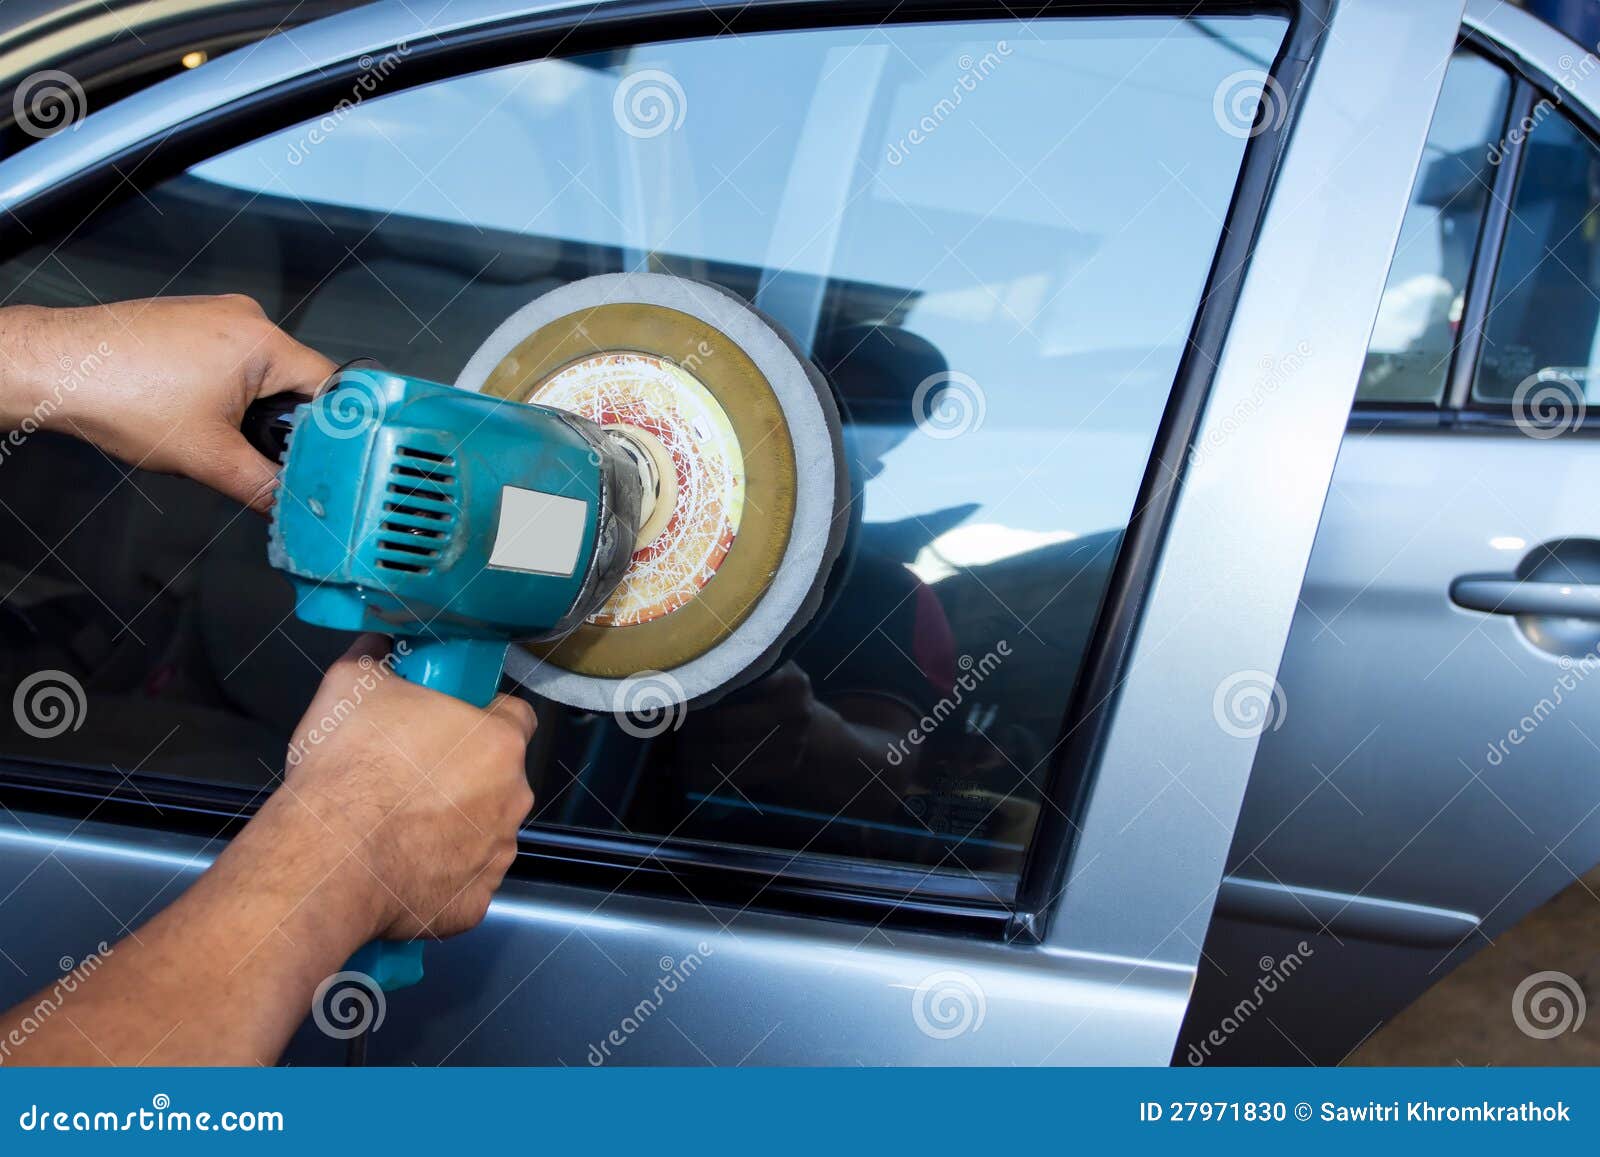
{"type": "Point", "coordinates": [1095, 292]}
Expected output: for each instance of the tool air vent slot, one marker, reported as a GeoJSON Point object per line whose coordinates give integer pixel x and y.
{"type": "Point", "coordinates": [419, 510]}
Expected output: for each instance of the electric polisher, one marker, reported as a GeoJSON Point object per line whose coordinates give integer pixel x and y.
{"type": "Point", "coordinates": [635, 475]}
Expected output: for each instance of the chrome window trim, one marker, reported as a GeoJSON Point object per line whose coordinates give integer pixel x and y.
{"type": "Point", "coordinates": [1539, 47]}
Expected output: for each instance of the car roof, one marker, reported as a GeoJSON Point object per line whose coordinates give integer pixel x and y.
{"type": "Point", "coordinates": [112, 48]}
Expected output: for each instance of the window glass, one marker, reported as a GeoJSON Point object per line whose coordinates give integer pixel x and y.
{"type": "Point", "coordinates": [1029, 209]}
{"type": "Point", "coordinates": [1541, 327]}
{"type": "Point", "coordinates": [1415, 334]}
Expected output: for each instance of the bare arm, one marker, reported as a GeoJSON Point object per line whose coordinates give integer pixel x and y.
{"type": "Point", "coordinates": [161, 384]}
{"type": "Point", "coordinates": [399, 822]}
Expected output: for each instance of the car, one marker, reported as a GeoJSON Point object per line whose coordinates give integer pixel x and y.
{"type": "Point", "coordinates": [1095, 291]}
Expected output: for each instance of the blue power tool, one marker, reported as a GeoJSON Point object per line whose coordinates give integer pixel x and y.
{"type": "Point", "coordinates": [453, 521]}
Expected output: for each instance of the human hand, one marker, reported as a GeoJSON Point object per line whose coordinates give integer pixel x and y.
{"type": "Point", "coordinates": [426, 791]}
{"type": "Point", "coordinates": [161, 384]}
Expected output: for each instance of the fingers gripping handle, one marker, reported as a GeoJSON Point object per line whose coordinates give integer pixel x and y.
{"type": "Point", "coordinates": [468, 669]}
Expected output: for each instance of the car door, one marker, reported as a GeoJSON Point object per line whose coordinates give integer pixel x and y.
{"type": "Point", "coordinates": [979, 812]}
{"type": "Point", "coordinates": [1433, 778]}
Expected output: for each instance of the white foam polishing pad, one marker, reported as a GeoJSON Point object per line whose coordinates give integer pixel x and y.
{"type": "Point", "coordinates": [742, 433]}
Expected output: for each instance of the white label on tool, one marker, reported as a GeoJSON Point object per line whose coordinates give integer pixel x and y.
{"type": "Point", "coordinates": [538, 532]}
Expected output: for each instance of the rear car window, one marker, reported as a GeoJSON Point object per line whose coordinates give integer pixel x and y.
{"type": "Point", "coordinates": [993, 237]}
{"type": "Point", "coordinates": [1539, 348]}
{"type": "Point", "coordinates": [1420, 315]}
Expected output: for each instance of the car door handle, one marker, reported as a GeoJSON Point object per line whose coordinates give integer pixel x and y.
{"type": "Point", "coordinates": [1499, 595]}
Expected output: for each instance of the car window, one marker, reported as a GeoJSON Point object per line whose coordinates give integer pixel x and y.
{"type": "Point", "coordinates": [994, 239]}
{"type": "Point", "coordinates": [1539, 346]}
{"type": "Point", "coordinates": [1414, 338]}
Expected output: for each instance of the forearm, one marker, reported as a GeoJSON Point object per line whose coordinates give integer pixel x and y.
{"type": "Point", "coordinates": [32, 368]}
{"type": "Point", "coordinates": [226, 973]}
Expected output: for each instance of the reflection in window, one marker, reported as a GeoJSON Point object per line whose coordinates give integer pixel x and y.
{"type": "Point", "coordinates": [1541, 327]}
{"type": "Point", "coordinates": [1413, 340]}
{"type": "Point", "coordinates": [1009, 221]}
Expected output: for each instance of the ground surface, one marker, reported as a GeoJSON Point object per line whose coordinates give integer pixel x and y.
{"type": "Point", "coordinates": [1468, 1018]}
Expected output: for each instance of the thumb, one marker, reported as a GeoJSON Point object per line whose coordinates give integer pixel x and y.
{"type": "Point", "coordinates": [225, 461]}
{"type": "Point", "coordinates": [293, 366]}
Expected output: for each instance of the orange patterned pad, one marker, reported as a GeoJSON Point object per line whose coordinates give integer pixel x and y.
{"type": "Point", "coordinates": [656, 396]}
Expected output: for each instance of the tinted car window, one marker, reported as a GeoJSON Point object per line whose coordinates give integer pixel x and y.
{"type": "Point", "coordinates": [993, 237]}
{"type": "Point", "coordinates": [1415, 334]}
{"type": "Point", "coordinates": [1539, 339]}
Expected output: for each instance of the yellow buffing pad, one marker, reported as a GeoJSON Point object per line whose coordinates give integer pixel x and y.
{"type": "Point", "coordinates": [744, 435]}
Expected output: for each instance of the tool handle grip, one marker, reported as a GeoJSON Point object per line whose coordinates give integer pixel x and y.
{"type": "Point", "coordinates": [469, 669]}
{"type": "Point", "coordinates": [391, 964]}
